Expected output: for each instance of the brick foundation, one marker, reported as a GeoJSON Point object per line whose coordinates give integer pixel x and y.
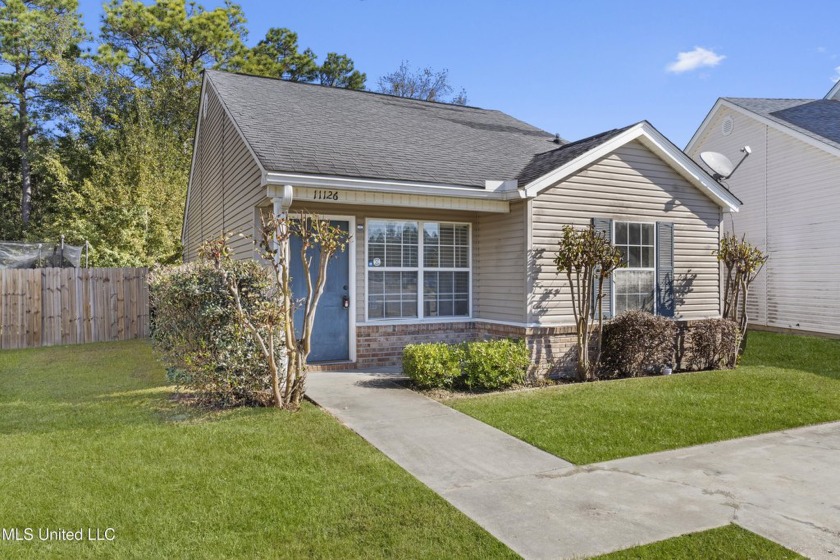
{"type": "Point", "coordinates": [552, 348]}
{"type": "Point", "coordinates": [382, 345]}
{"type": "Point", "coordinates": [553, 352]}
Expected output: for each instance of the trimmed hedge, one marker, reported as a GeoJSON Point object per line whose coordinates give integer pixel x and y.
{"type": "Point", "coordinates": [475, 366]}
{"type": "Point", "coordinates": [713, 343]}
{"type": "Point", "coordinates": [434, 365]}
{"type": "Point", "coordinates": [637, 343]}
{"type": "Point", "coordinates": [494, 364]}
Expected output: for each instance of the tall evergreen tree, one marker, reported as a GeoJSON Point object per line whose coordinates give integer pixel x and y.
{"type": "Point", "coordinates": [34, 36]}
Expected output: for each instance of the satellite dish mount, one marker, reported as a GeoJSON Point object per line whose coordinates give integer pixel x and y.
{"type": "Point", "coordinates": [720, 165]}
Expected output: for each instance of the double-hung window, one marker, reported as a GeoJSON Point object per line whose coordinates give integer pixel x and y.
{"type": "Point", "coordinates": [417, 269]}
{"type": "Point", "coordinates": [635, 284]}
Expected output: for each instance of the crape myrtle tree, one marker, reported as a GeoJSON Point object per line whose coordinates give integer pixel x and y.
{"type": "Point", "coordinates": [588, 260]}
{"type": "Point", "coordinates": [316, 235]}
{"type": "Point", "coordinates": [742, 262]}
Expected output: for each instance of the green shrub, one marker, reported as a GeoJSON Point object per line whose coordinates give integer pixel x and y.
{"type": "Point", "coordinates": [475, 366]}
{"type": "Point", "coordinates": [713, 343]}
{"type": "Point", "coordinates": [196, 330]}
{"type": "Point", "coordinates": [637, 343]}
{"type": "Point", "coordinates": [494, 364]}
{"type": "Point", "coordinates": [432, 366]}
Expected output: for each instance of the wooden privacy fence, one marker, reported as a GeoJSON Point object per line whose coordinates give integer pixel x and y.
{"type": "Point", "coordinates": [48, 306]}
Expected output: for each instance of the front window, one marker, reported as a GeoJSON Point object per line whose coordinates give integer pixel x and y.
{"type": "Point", "coordinates": [417, 276]}
{"type": "Point", "coordinates": [635, 284]}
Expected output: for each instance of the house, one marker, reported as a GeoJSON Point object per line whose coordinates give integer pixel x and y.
{"type": "Point", "coordinates": [455, 213]}
{"type": "Point", "coordinates": [790, 186]}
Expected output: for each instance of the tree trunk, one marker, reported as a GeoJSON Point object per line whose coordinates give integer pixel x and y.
{"type": "Point", "coordinates": [25, 168]}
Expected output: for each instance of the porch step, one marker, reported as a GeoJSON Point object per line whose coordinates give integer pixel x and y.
{"type": "Point", "coordinates": [331, 366]}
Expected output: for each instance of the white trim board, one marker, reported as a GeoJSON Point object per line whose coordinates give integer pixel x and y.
{"type": "Point", "coordinates": [652, 139]}
{"type": "Point", "coordinates": [834, 92]}
{"type": "Point", "coordinates": [201, 111]}
{"type": "Point", "coordinates": [386, 186]}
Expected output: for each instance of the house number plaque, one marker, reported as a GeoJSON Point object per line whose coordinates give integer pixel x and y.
{"type": "Point", "coordinates": [319, 194]}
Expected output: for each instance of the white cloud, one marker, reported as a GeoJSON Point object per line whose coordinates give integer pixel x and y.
{"type": "Point", "coordinates": [837, 74]}
{"type": "Point", "coordinates": [692, 60]}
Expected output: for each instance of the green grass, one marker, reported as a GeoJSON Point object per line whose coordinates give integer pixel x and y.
{"type": "Point", "coordinates": [90, 438]}
{"type": "Point", "coordinates": [725, 543]}
{"type": "Point", "coordinates": [784, 381]}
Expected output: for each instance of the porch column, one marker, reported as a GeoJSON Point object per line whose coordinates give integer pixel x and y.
{"type": "Point", "coordinates": [281, 205]}
{"type": "Point", "coordinates": [280, 209]}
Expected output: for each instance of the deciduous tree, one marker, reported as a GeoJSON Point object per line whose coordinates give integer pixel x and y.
{"type": "Point", "coordinates": [742, 263]}
{"type": "Point", "coordinates": [423, 83]}
{"type": "Point", "coordinates": [588, 259]}
{"type": "Point", "coordinates": [316, 235]}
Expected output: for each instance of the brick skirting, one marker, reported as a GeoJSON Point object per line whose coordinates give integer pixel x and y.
{"type": "Point", "coordinates": [382, 345]}
{"type": "Point", "coordinates": [553, 352]}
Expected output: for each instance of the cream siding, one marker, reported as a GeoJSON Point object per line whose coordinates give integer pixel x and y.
{"type": "Point", "coordinates": [501, 269]}
{"type": "Point", "coordinates": [631, 184]}
{"type": "Point", "coordinates": [224, 186]}
{"type": "Point", "coordinates": [791, 202]}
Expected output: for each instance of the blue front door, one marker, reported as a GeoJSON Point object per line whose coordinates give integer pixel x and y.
{"type": "Point", "coordinates": [331, 334]}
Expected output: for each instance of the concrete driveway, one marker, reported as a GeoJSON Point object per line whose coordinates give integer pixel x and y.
{"type": "Point", "coordinates": [784, 486]}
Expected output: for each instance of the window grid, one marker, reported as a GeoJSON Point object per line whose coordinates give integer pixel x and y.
{"type": "Point", "coordinates": [435, 291]}
{"type": "Point", "coordinates": [634, 285]}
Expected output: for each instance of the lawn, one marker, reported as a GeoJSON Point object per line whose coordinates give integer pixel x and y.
{"type": "Point", "coordinates": [725, 543]}
{"type": "Point", "coordinates": [784, 381]}
{"type": "Point", "coordinates": [92, 439]}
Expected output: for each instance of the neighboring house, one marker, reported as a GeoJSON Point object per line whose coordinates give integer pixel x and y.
{"type": "Point", "coordinates": [455, 213]}
{"type": "Point", "coordinates": [790, 186]}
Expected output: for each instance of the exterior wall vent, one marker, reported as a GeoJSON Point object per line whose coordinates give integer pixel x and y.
{"type": "Point", "coordinates": [727, 126]}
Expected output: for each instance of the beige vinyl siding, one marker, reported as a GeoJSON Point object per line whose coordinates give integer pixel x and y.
{"type": "Point", "coordinates": [224, 186]}
{"type": "Point", "coordinates": [631, 184]}
{"type": "Point", "coordinates": [362, 213]}
{"type": "Point", "coordinates": [502, 268]}
{"type": "Point", "coordinates": [790, 194]}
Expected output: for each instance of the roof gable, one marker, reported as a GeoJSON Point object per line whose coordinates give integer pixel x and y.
{"type": "Point", "coordinates": [310, 129]}
{"type": "Point", "coordinates": [590, 150]}
{"type": "Point", "coordinates": [813, 121]}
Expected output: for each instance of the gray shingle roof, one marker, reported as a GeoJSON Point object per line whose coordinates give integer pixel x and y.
{"type": "Point", "coordinates": [311, 129]}
{"type": "Point", "coordinates": [548, 161]}
{"type": "Point", "coordinates": [817, 118]}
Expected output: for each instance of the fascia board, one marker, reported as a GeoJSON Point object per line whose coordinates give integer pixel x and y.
{"type": "Point", "coordinates": [398, 187]}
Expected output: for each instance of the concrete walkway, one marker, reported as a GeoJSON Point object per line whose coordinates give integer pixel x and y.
{"type": "Point", "coordinates": [784, 486]}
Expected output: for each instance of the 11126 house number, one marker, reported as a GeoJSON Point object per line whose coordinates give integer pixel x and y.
{"type": "Point", "coordinates": [319, 194]}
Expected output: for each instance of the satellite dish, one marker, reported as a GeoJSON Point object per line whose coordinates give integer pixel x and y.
{"type": "Point", "coordinates": [718, 163]}
{"type": "Point", "coordinates": [721, 165]}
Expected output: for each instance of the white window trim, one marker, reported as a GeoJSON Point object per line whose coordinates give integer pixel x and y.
{"type": "Point", "coordinates": [420, 269]}
{"type": "Point", "coordinates": [613, 291]}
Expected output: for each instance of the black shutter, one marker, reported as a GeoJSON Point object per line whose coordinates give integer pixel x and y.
{"type": "Point", "coordinates": [604, 226]}
{"type": "Point", "coordinates": [665, 269]}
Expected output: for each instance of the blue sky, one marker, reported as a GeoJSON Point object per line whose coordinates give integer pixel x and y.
{"type": "Point", "coordinates": [577, 68]}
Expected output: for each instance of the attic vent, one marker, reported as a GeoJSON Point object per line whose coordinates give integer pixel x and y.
{"type": "Point", "coordinates": [727, 126]}
{"type": "Point", "coordinates": [204, 106]}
